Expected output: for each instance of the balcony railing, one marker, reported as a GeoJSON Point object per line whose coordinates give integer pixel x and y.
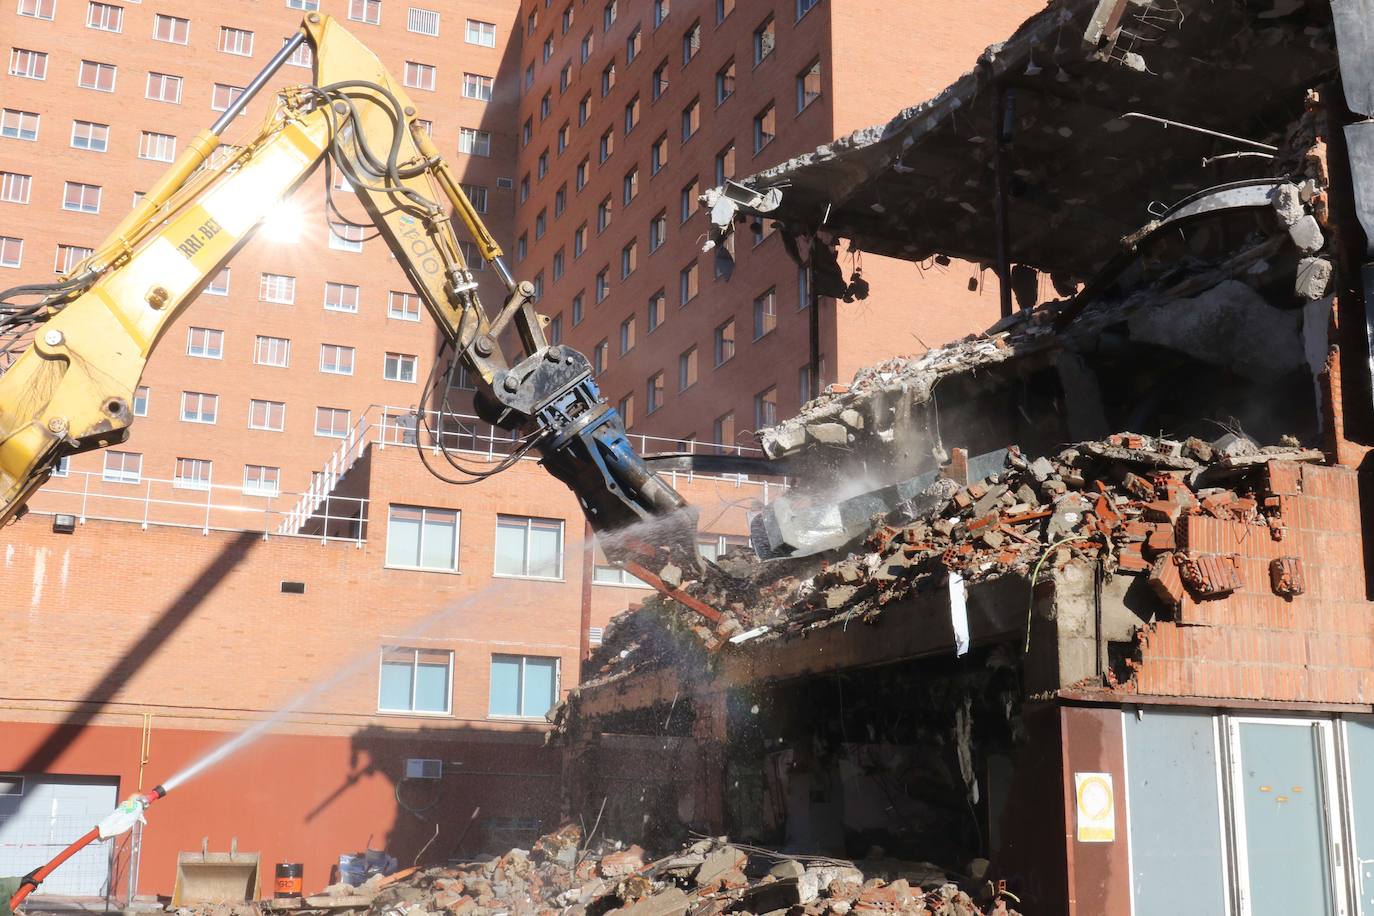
{"type": "Point", "coordinates": [181, 504]}
{"type": "Point", "coordinates": [393, 427]}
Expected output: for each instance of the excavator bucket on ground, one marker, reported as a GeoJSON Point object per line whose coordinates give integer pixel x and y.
{"type": "Point", "coordinates": [216, 877]}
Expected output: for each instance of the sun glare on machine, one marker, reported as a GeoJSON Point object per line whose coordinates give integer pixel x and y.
{"type": "Point", "coordinates": [285, 223]}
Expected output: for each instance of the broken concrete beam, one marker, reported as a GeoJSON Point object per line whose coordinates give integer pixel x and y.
{"type": "Point", "coordinates": [833, 434]}
{"type": "Point", "coordinates": [671, 902]}
{"type": "Point", "coordinates": [852, 418]}
{"type": "Point", "coordinates": [1313, 278]}
{"type": "Point", "coordinates": [1307, 235]}
{"type": "Point", "coordinates": [989, 501]}
{"type": "Point", "coordinates": [774, 895]}
{"type": "Point", "coordinates": [727, 859]}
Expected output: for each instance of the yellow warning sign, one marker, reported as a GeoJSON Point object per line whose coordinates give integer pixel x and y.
{"type": "Point", "coordinates": [1096, 804]}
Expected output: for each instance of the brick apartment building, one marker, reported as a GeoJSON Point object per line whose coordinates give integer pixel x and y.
{"type": "Point", "coordinates": [183, 606]}
{"type": "Point", "coordinates": [629, 110]}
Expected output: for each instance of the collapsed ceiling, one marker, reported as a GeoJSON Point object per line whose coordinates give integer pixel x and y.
{"type": "Point", "coordinates": [1102, 114]}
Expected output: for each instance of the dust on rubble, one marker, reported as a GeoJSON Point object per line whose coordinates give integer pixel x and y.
{"type": "Point", "coordinates": [1122, 501]}
{"type": "Point", "coordinates": [711, 877]}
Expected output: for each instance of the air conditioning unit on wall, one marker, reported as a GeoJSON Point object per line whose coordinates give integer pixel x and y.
{"type": "Point", "coordinates": [419, 768]}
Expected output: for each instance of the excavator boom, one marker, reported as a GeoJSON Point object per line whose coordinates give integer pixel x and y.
{"type": "Point", "coordinates": [79, 346]}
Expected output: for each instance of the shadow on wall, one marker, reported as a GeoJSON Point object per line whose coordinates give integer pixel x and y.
{"type": "Point", "coordinates": [137, 655]}
{"type": "Point", "coordinates": [471, 791]}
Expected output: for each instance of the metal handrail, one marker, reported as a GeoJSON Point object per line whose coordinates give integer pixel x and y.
{"type": "Point", "coordinates": [389, 426]}
{"type": "Point", "coordinates": [154, 501]}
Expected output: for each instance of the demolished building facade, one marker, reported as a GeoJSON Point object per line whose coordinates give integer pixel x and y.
{"type": "Point", "coordinates": [1084, 596]}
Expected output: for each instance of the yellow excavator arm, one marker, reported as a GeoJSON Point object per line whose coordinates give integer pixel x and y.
{"type": "Point", "coordinates": [79, 346]}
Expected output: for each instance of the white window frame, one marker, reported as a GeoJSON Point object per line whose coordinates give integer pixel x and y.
{"type": "Point", "coordinates": [198, 415]}
{"type": "Point", "coordinates": [162, 82]}
{"type": "Point", "coordinates": [339, 351]}
{"type": "Point", "coordinates": [183, 482]}
{"type": "Point", "coordinates": [83, 191]}
{"type": "Point", "coordinates": [485, 33]}
{"type": "Point", "coordinates": [520, 686]}
{"type": "Point", "coordinates": [68, 256]}
{"type": "Point", "coordinates": [236, 45]}
{"type": "Point", "coordinates": [5, 244]}
{"type": "Point", "coordinates": [333, 413]}
{"type": "Point", "coordinates": [122, 474]}
{"type": "Point", "coordinates": [420, 547]}
{"type": "Point", "coordinates": [150, 142]}
{"type": "Point", "coordinates": [478, 86]}
{"type": "Point", "coordinates": [266, 346]}
{"type": "Point", "coordinates": [368, 12]}
{"type": "Point", "coordinates": [207, 352]}
{"type": "Point", "coordinates": [35, 9]}
{"type": "Point", "coordinates": [17, 131]}
{"type": "Point", "coordinates": [100, 70]}
{"type": "Point", "coordinates": [344, 290]}
{"type": "Point", "coordinates": [175, 24]}
{"type": "Point", "coordinates": [419, 75]}
{"type": "Point", "coordinates": [15, 187]}
{"type": "Point", "coordinates": [345, 237]}
{"type": "Point", "coordinates": [270, 288]}
{"type": "Point", "coordinates": [106, 12]}
{"type": "Point", "coordinates": [142, 396]}
{"type": "Point", "coordinates": [91, 128]}
{"type": "Point", "coordinates": [414, 679]}
{"type": "Point", "coordinates": [256, 487]}
{"type": "Point", "coordinates": [474, 142]}
{"type": "Point", "coordinates": [403, 313]}
{"type": "Point", "coordinates": [525, 556]}
{"type": "Point", "coordinates": [213, 289]}
{"type": "Point", "coordinates": [224, 95]}
{"type": "Point", "coordinates": [34, 66]}
{"type": "Point", "coordinates": [269, 407]}
{"type": "Point", "coordinates": [393, 363]}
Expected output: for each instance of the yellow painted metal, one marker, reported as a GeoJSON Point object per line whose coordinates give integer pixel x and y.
{"type": "Point", "coordinates": [72, 390]}
{"type": "Point", "coordinates": [75, 384]}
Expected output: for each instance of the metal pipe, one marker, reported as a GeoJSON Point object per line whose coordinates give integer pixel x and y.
{"type": "Point", "coordinates": [502, 271]}
{"type": "Point", "coordinates": [814, 333]}
{"type": "Point", "coordinates": [1201, 130]}
{"type": "Point", "coordinates": [273, 65]}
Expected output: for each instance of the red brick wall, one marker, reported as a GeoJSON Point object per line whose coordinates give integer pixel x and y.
{"type": "Point", "coordinates": [1254, 644]}
{"type": "Point", "coordinates": [308, 799]}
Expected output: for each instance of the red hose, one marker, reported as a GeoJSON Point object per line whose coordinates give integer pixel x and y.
{"type": "Point", "coordinates": [39, 875]}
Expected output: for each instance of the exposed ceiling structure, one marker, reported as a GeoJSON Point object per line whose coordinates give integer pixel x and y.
{"type": "Point", "coordinates": [1075, 98]}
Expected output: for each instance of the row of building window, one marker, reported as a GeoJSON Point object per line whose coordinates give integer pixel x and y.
{"type": "Point", "coordinates": [420, 681]}
{"type": "Point", "coordinates": [109, 17]}
{"type": "Point", "coordinates": [16, 124]}
{"type": "Point", "coordinates": [168, 87]}
{"type": "Point", "coordinates": [691, 40]}
{"type": "Point", "coordinates": [330, 422]}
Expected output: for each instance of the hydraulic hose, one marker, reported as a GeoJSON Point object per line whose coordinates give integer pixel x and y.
{"type": "Point", "coordinates": [120, 820]}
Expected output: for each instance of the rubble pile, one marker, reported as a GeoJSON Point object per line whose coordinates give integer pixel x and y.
{"type": "Point", "coordinates": [1120, 501]}
{"type": "Point", "coordinates": [1123, 501]}
{"type": "Point", "coordinates": [711, 877]}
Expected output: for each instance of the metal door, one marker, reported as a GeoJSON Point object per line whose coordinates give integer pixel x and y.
{"type": "Point", "coordinates": [41, 814]}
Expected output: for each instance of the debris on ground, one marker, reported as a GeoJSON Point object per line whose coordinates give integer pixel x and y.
{"type": "Point", "coordinates": [710, 877]}
{"type": "Point", "coordinates": [1123, 501]}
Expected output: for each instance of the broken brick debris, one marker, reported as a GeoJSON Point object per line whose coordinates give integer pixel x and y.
{"type": "Point", "coordinates": [1123, 502]}
{"type": "Point", "coordinates": [559, 876]}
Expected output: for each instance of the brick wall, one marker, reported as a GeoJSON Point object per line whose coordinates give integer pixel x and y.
{"type": "Point", "coordinates": [1254, 644]}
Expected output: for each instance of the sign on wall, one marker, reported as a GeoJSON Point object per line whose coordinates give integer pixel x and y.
{"type": "Point", "coordinates": [1096, 805]}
